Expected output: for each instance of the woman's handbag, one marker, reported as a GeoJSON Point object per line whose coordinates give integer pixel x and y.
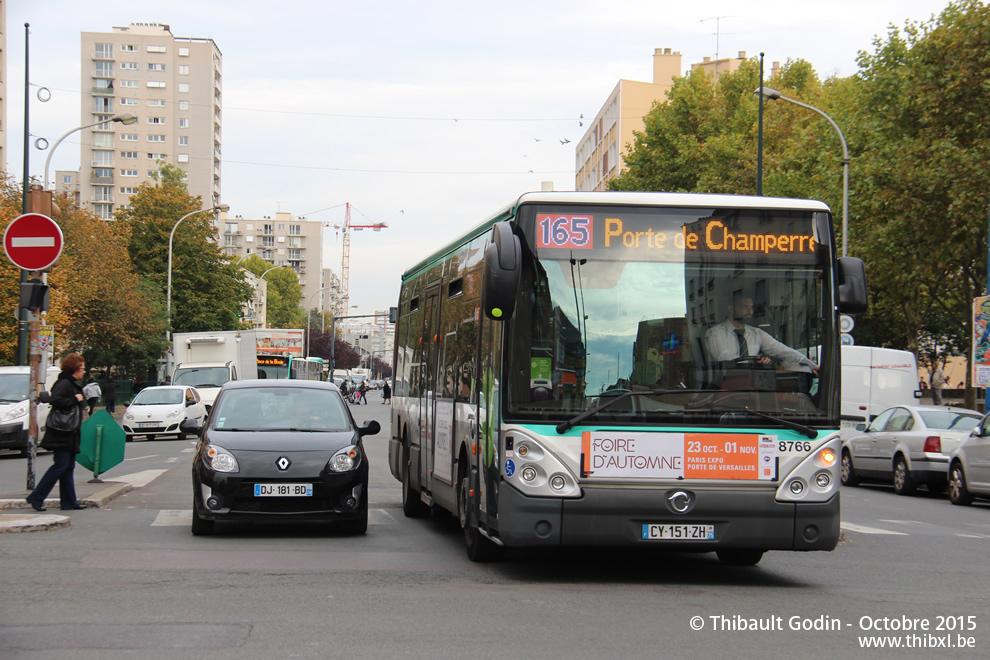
{"type": "Point", "coordinates": [65, 420]}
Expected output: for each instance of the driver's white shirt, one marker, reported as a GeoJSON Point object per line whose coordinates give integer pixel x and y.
{"type": "Point", "coordinates": [722, 345]}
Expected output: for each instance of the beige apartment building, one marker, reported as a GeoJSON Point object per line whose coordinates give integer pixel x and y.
{"type": "Point", "coordinates": [173, 86]}
{"type": "Point", "coordinates": [599, 154]}
{"type": "Point", "coordinates": [289, 242]}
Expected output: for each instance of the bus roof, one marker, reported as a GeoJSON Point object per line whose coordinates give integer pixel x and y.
{"type": "Point", "coordinates": [615, 198]}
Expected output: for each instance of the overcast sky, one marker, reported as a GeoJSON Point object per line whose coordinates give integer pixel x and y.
{"type": "Point", "coordinates": [428, 116]}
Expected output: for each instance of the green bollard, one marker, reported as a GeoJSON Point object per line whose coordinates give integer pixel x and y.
{"type": "Point", "coordinates": [96, 458]}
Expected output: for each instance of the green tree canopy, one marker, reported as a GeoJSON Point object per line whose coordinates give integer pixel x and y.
{"type": "Point", "coordinates": [284, 293]}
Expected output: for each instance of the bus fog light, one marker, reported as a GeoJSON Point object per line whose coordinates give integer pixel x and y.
{"type": "Point", "coordinates": [522, 450]}
{"type": "Point", "coordinates": [557, 482]}
{"type": "Point", "coordinates": [797, 487]}
{"type": "Point", "coordinates": [529, 473]}
{"type": "Point", "coordinates": [823, 480]}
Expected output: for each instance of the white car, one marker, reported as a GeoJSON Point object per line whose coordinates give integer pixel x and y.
{"type": "Point", "coordinates": [160, 410]}
{"type": "Point", "coordinates": [969, 466]}
{"type": "Point", "coordinates": [15, 403]}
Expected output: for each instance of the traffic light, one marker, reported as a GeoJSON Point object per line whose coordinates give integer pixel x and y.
{"type": "Point", "coordinates": [393, 314]}
{"type": "Point", "coordinates": [34, 296]}
{"type": "Point", "coordinates": [40, 201]}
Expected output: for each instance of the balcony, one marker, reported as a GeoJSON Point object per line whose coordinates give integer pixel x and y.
{"type": "Point", "coordinates": [101, 199]}
{"type": "Point", "coordinates": [102, 91]}
{"type": "Point", "coordinates": [101, 180]}
{"type": "Point", "coordinates": [102, 55]}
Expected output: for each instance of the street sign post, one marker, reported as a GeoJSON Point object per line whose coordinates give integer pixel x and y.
{"type": "Point", "coordinates": [102, 444]}
{"type": "Point", "coordinates": [33, 241]}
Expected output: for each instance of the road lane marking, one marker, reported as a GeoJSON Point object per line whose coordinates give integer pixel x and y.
{"type": "Point", "coordinates": [187, 450]}
{"type": "Point", "coordinates": [862, 529]}
{"type": "Point", "coordinates": [139, 479]}
{"type": "Point", "coordinates": [141, 458]}
{"type": "Point", "coordinates": [173, 518]}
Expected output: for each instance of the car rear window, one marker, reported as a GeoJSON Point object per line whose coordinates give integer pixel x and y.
{"type": "Point", "coordinates": [950, 421]}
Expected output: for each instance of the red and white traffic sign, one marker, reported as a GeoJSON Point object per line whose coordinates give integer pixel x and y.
{"type": "Point", "coordinates": [33, 241]}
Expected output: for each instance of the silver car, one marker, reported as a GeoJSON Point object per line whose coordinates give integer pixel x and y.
{"type": "Point", "coordinates": [907, 445]}
{"type": "Point", "coordinates": [969, 466]}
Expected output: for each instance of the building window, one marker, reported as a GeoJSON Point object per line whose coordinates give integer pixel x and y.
{"type": "Point", "coordinates": [103, 105]}
{"type": "Point", "coordinates": [156, 103]}
{"type": "Point", "coordinates": [128, 190]}
{"type": "Point", "coordinates": [183, 158]}
{"type": "Point", "coordinates": [183, 105]}
{"type": "Point", "coordinates": [152, 174]}
{"type": "Point", "coordinates": [267, 241]}
{"type": "Point", "coordinates": [104, 51]}
{"type": "Point", "coordinates": [129, 66]}
{"type": "Point", "coordinates": [156, 138]}
{"type": "Point", "coordinates": [128, 83]}
{"type": "Point", "coordinates": [157, 84]}
{"type": "Point", "coordinates": [128, 101]}
{"type": "Point", "coordinates": [156, 49]}
{"type": "Point", "coordinates": [183, 87]}
{"type": "Point", "coordinates": [183, 69]}
{"type": "Point", "coordinates": [183, 123]}
{"type": "Point", "coordinates": [153, 66]}
{"type": "Point", "coordinates": [130, 48]}
{"type": "Point", "coordinates": [154, 156]}
{"type": "Point", "coordinates": [102, 194]}
{"type": "Point", "coordinates": [183, 51]}
{"type": "Point", "coordinates": [156, 120]}
{"type": "Point", "coordinates": [295, 230]}
{"type": "Point", "coordinates": [128, 154]}
{"type": "Point", "coordinates": [103, 69]}
{"type": "Point", "coordinates": [128, 137]}
{"type": "Point", "coordinates": [67, 178]}
{"type": "Point", "coordinates": [104, 158]}
{"type": "Point", "coordinates": [128, 173]}
{"type": "Point", "coordinates": [183, 140]}
{"type": "Point", "coordinates": [103, 211]}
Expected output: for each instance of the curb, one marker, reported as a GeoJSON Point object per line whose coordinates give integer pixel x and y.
{"type": "Point", "coordinates": [28, 522]}
{"type": "Point", "coordinates": [98, 499]}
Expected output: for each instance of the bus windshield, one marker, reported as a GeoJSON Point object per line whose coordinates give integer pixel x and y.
{"type": "Point", "coordinates": [699, 314]}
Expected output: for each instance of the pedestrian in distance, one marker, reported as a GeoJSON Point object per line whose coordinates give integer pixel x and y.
{"type": "Point", "coordinates": [386, 393]}
{"type": "Point", "coordinates": [66, 393]}
{"type": "Point", "coordinates": [938, 382]}
{"type": "Point", "coordinates": [91, 390]}
{"type": "Point", "coordinates": [363, 390]}
{"type": "Point", "coordinates": [109, 389]}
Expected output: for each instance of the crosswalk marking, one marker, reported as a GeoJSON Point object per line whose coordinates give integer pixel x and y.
{"type": "Point", "coordinates": [863, 529]}
{"type": "Point", "coordinates": [139, 479]}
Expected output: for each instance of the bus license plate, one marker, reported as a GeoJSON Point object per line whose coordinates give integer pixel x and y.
{"type": "Point", "coordinates": [679, 532]}
{"type": "Point", "coordinates": [283, 490]}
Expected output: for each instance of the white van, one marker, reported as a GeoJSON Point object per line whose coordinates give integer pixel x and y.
{"type": "Point", "coordinates": [15, 385]}
{"type": "Point", "coordinates": [874, 379]}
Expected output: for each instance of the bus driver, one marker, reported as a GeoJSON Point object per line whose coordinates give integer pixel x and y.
{"type": "Point", "coordinates": [735, 339]}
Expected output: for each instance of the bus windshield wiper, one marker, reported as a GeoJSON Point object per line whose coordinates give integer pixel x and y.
{"type": "Point", "coordinates": [580, 417]}
{"type": "Point", "coordinates": [786, 423]}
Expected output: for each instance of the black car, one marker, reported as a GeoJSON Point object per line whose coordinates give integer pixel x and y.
{"type": "Point", "coordinates": [280, 450]}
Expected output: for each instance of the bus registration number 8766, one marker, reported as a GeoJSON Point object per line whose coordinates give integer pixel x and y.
{"type": "Point", "coordinates": [653, 532]}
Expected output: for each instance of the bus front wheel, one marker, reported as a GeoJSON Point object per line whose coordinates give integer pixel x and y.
{"type": "Point", "coordinates": [412, 504]}
{"type": "Point", "coordinates": [479, 547]}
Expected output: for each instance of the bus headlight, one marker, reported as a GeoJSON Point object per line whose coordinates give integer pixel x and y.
{"type": "Point", "coordinates": [536, 471]}
{"type": "Point", "coordinates": [814, 479]}
{"type": "Point", "coordinates": [529, 473]}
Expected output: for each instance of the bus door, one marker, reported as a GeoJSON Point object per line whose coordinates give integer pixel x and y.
{"type": "Point", "coordinates": [429, 391]}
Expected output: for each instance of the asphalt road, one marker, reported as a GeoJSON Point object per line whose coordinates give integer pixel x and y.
{"type": "Point", "coordinates": [130, 581]}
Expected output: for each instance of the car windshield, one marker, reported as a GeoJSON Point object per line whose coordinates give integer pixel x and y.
{"type": "Point", "coordinates": [280, 408]}
{"type": "Point", "coordinates": [153, 397]}
{"type": "Point", "coordinates": [202, 377]}
{"type": "Point", "coordinates": [14, 387]}
{"type": "Point", "coordinates": [947, 420]}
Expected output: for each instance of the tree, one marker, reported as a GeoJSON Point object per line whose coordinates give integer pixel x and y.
{"type": "Point", "coordinates": [207, 290]}
{"type": "Point", "coordinates": [284, 292]}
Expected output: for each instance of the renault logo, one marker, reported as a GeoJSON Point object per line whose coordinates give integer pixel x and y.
{"type": "Point", "coordinates": [680, 501]}
{"type": "Point", "coordinates": [283, 463]}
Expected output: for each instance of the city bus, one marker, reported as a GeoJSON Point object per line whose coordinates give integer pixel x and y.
{"type": "Point", "coordinates": [554, 383]}
{"type": "Point", "coordinates": [288, 366]}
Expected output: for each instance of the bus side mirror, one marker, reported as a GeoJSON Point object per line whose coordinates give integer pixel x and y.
{"type": "Point", "coordinates": [853, 297]}
{"type": "Point", "coordinates": [502, 272]}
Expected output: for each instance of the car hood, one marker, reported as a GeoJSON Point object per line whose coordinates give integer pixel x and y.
{"type": "Point", "coordinates": [282, 441]}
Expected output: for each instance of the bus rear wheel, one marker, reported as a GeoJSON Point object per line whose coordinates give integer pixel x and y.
{"type": "Point", "coordinates": [737, 557]}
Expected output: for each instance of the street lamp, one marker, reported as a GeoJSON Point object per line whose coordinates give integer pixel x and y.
{"type": "Point", "coordinates": [168, 288]}
{"type": "Point", "coordinates": [126, 119]}
{"type": "Point", "coordinates": [773, 95]}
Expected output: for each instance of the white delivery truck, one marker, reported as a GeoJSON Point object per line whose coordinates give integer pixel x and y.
{"type": "Point", "coordinates": [15, 405]}
{"type": "Point", "coordinates": [207, 360]}
{"type": "Point", "coordinates": [874, 379]}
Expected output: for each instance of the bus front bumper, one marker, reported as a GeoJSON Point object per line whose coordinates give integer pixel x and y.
{"type": "Point", "coordinates": [616, 516]}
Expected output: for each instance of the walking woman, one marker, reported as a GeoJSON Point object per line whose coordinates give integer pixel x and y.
{"type": "Point", "coordinates": [66, 393]}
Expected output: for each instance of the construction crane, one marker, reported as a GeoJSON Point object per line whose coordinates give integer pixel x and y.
{"type": "Point", "coordinates": [345, 263]}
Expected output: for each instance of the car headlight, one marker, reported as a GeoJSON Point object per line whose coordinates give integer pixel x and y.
{"type": "Point", "coordinates": [14, 413]}
{"type": "Point", "coordinates": [172, 414]}
{"type": "Point", "coordinates": [129, 416]}
{"type": "Point", "coordinates": [219, 459]}
{"type": "Point", "coordinates": [344, 460]}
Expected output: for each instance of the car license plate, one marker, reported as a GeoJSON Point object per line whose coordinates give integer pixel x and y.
{"type": "Point", "coordinates": [148, 425]}
{"type": "Point", "coordinates": [283, 490]}
{"type": "Point", "coordinates": [679, 532]}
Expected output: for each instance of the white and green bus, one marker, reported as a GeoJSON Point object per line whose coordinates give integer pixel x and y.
{"type": "Point", "coordinates": [558, 378]}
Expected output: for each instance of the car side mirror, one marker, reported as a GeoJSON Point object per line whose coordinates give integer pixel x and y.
{"type": "Point", "coordinates": [976, 433]}
{"type": "Point", "coordinates": [44, 397]}
{"type": "Point", "coordinates": [191, 426]}
{"type": "Point", "coordinates": [371, 427]}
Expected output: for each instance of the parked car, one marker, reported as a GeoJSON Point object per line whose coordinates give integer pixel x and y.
{"type": "Point", "coordinates": [161, 410]}
{"type": "Point", "coordinates": [280, 450]}
{"type": "Point", "coordinates": [907, 445]}
{"type": "Point", "coordinates": [969, 466]}
{"type": "Point", "coordinates": [15, 403]}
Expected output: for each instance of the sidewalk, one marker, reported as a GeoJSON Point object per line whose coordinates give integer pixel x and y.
{"type": "Point", "coordinates": [16, 515]}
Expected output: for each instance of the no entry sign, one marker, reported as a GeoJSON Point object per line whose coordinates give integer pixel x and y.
{"type": "Point", "coordinates": [33, 241]}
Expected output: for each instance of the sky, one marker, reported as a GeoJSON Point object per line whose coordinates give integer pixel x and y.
{"type": "Point", "coordinates": [427, 116]}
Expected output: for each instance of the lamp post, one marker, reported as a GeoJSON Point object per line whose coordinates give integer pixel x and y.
{"type": "Point", "coordinates": [168, 288]}
{"type": "Point", "coordinates": [125, 118]}
{"type": "Point", "coordinates": [773, 95]}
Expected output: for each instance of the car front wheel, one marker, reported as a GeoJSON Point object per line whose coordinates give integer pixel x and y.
{"type": "Point", "coordinates": [958, 492]}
